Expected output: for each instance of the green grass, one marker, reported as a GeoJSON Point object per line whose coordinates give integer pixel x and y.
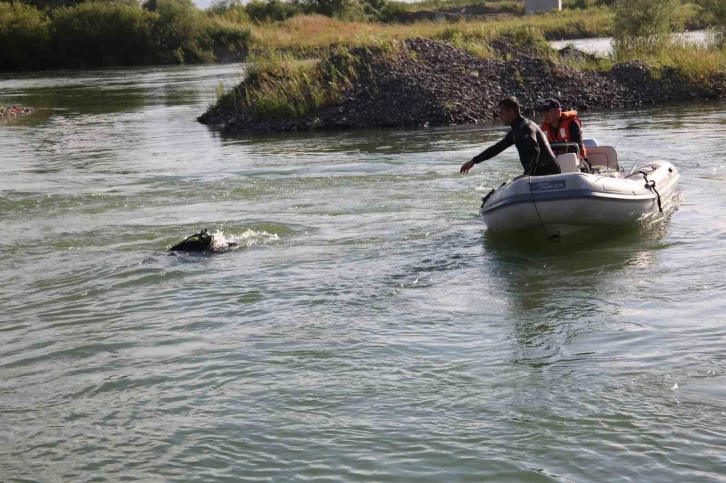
{"type": "Point", "coordinates": [492, 6]}
{"type": "Point", "coordinates": [311, 32]}
{"type": "Point", "coordinates": [280, 86]}
{"type": "Point", "coordinates": [695, 62]}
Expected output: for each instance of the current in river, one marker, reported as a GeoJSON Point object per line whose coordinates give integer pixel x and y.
{"type": "Point", "coordinates": [367, 328]}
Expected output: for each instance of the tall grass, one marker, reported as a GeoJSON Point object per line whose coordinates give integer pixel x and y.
{"type": "Point", "coordinates": [483, 6]}
{"type": "Point", "coordinates": [227, 34]}
{"type": "Point", "coordinates": [715, 11]}
{"type": "Point", "coordinates": [315, 31]}
{"type": "Point", "coordinates": [643, 26]}
{"type": "Point", "coordinates": [694, 61]}
{"type": "Point", "coordinates": [281, 87]}
{"type": "Point", "coordinates": [646, 30]}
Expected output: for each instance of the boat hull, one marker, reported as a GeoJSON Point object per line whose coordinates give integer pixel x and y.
{"type": "Point", "coordinates": [574, 201]}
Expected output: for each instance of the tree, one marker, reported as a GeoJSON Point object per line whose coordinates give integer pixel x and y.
{"type": "Point", "coordinates": [643, 24]}
{"type": "Point", "coordinates": [53, 4]}
{"type": "Point", "coordinates": [716, 10]}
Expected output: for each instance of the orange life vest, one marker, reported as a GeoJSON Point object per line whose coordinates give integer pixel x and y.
{"type": "Point", "coordinates": [562, 133]}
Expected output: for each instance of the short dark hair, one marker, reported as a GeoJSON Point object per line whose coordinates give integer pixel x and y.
{"type": "Point", "coordinates": [511, 103]}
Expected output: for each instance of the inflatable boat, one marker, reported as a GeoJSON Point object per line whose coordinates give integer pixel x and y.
{"type": "Point", "coordinates": [592, 192]}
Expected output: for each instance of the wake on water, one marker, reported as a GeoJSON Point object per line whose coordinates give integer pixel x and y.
{"type": "Point", "coordinates": [248, 238]}
{"type": "Point", "coordinates": [223, 242]}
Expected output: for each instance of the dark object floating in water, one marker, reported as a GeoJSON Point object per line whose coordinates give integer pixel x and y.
{"type": "Point", "coordinates": [198, 242]}
{"type": "Point", "coordinates": [201, 242]}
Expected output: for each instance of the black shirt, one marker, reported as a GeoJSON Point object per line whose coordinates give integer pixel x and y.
{"type": "Point", "coordinates": [535, 153]}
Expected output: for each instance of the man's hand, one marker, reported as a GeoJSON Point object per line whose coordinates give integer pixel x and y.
{"type": "Point", "coordinates": [467, 166]}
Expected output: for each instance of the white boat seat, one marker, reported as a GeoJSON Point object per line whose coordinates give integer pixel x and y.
{"type": "Point", "coordinates": [603, 157]}
{"type": "Point", "coordinates": [568, 163]}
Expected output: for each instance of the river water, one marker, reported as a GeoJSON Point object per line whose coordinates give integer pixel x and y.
{"type": "Point", "coordinates": [367, 329]}
{"type": "Point", "coordinates": [604, 45]}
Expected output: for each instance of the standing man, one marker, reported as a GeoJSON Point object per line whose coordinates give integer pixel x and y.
{"type": "Point", "coordinates": [534, 151]}
{"type": "Point", "coordinates": [562, 126]}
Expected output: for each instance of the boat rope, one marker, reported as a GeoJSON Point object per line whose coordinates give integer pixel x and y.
{"type": "Point", "coordinates": [536, 210]}
{"type": "Point", "coordinates": [532, 171]}
{"type": "Point", "coordinates": [650, 184]}
{"type": "Point", "coordinates": [484, 200]}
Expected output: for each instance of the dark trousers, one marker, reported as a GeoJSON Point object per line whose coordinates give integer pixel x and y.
{"type": "Point", "coordinates": [544, 168]}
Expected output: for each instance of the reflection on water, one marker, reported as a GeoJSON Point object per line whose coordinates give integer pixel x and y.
{"type": "Point", "coordinates": [368, 329]}
{"type": "Point", "coordinates": [559, 289]}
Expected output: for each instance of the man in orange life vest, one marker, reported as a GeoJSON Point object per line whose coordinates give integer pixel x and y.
{"type": "Point", "coordinates": [561, 126]}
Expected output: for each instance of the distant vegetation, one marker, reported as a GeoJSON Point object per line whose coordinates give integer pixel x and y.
{"type": "Point", "coordinates": [88, 34]}
{"type": "Point", "coordinates": [644, 30]}
{"type": "Point", "coordinates": [715, 11]}
{"type": "Point", "coordinates": [42, 34]}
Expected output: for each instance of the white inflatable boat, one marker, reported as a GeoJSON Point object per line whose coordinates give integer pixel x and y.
{"type": "Point", "coordinates": [586, 194]}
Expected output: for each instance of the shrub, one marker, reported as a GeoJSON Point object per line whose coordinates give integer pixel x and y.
{"type": "Point", "coordinates": [24, 34]}
{"type": "Point", "coordinates": [278, 86]}
{"type": "Point", "coordinates": [231, 10]}
{"type": "Point", "coordinates": [642, 25]}
{"type": "Point", "coordinates": [179, 32]}
{"type": "Point", "coordinates": [391, 11]}
{"type": "Point", "coordinates": [227, 35]}
{"type": "Point", "coordinates": [92, 34]}
{"type": "Point", "coordinates": [716, 14]}
{"type": "Point", "coordinates": [273, 10]}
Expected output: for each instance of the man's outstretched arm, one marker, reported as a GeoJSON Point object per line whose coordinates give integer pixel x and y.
{"type": "Point", "coordinates": [489, 153]}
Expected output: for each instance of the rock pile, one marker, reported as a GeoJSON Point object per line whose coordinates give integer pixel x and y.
{"type": "Point", "coordinates": [7, 113]}
{"type": "Point", "coordinates": [430, 82]}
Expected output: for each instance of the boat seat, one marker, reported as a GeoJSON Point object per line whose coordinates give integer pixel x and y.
{"type": "Point", "coordinates": [603, 157]}
{"type": "Point", "coordinates": [568, 163]}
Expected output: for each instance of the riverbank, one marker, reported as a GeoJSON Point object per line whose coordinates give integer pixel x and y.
{"type": "Point", "coordinates": [425, 82]}
{"type": "Point", "coordinates": [14, 112]}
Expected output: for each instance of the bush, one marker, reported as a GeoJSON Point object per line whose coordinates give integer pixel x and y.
{"type": "Point", "coordinates": [278, 86]}
{"type": "Point", "coordinates": [24, 34]}
{"type": "Point", "coordinates": [93, 34]}
{"type": "Point", "coordinates": [643, 25]}
{"type": "Point", "coordinates": [227, 35]}
{"type": "Point", "coordinates": [391, 11]}
{"type": "Point", "coordinates": [273, 10]}
{"type": "Point", "coordinates": [230, 10]}
{"type": "Point", "coordinates": [716, 13]}
{"type": "Point", "coordinates": [179, 32]}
